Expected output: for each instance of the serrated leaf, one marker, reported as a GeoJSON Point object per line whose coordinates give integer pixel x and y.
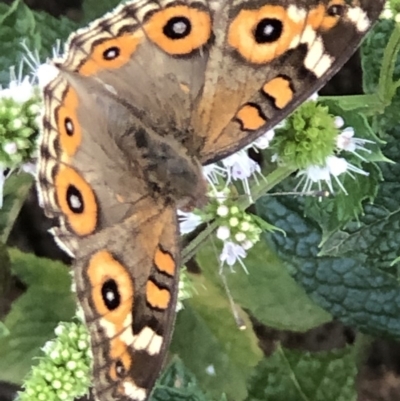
{"type": "Point", "coordinates": [333, 213]}
{"type": "Point", "coordinates": [293, 375]}
{"type": "Point", "coordinates": [351, 289]}
{"type": "Point", "coordinates": [212, 346]}
{"type": "Point", "coordinates": [267, 291]}
{"type": "Point", "coordinates": [33, 317]}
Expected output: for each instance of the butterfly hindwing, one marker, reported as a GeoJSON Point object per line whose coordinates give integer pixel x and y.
{"type": "Point", "coordinates": [126, 282]}
{"type": "Point", "coordinates": [122, 234]}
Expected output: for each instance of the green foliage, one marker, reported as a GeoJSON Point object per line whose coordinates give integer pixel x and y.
{"type": "Point", "coordinates": [267, 291]}
{"type": "Point", "coordinates": [177, 383]}
{"type": "Point", "coordinates": [93, 9]}
{"type": "Point", "coordinates": [64, 372]}
{"type": "Point", "coordinates": [15, 191]}
{"type": "Point", "coordinates": [293, 375]}
{"type": "Point", "coordinates": [335, 211]}
{"type": "Point", "coordinates": [37, 30]}
{"type": "Point", "coordinates": [211, 344]}
{"type": "Point", "coordinates": [34, 315]}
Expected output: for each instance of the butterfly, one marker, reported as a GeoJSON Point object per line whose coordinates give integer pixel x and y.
{"type": "Point", "coordinates": [143, 97]}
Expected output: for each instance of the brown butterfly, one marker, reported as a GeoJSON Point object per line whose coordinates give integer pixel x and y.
{"type": "Point", "coordinates": [143, 97]}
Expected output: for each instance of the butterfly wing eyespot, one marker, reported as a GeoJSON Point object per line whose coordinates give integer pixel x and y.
{"type": "Point", "coordinates": [262, 35]}
{"type": "Point", "coordinates": [76, 200]}
{"type": "Point", "coordinates": [179, 30]}
{"type": "Point", "coordinates": [111, 54]}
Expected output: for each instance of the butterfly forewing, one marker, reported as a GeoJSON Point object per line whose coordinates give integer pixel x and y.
{"type": "Point", "coordinates": [271, 56]}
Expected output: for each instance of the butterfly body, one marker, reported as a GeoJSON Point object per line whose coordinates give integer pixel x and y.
{"type": "Point", "coordinates": [143, 97]}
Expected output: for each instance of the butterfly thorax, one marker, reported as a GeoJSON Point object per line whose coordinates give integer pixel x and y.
{"type": "Point", "coordinates": [169, 171]}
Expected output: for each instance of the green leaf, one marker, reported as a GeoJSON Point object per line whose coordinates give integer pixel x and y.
{"type": "Point", "coordinates": [16, 25]}
{"type": "Point", "coordinates": [93, 9]}
{"type": "Point", "coordinates": [33, 317]}
{"type": "Point", "coordinates": [16, 189]}
{"type": "Point", "coordinates": [178, 383]}
{"type": "Point", "coordinates": [381, 73]}
{"type": "Point", "coordinates": [5, 276]}
{"type": "Point", "coordinates": [350, 288]}
{"type": "Point", "coordinates": [333, 213]}
{"type": "Point", "coordinates": [267, 291]}
{"type": "Point", "coordinates": [39, 32]}
{"type": "Point", "coordinates": [302, 376]}
{"type": "Point", "coordinates": [211, 345]}
{"type": "Point", "coordinates": [4, 332]}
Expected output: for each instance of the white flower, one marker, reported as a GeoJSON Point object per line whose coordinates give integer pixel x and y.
{"type": "Point", "coordinates": [222, 211]}
{"type": "Point", "coordinates": [10, 148]}
{"type": "Point", "coordinates": [240, 237]}
{"type": "Point", "coordinates": [188, 221]}
{"type": "Point", "coordinates": [45, 73]}
{"type": "Point", "coordinates": [387, 14]}
{"type": "Point", "coordinates": [212, 172]}
{"type": "Point", "coordinates": [232, 253]}
{"type": "Point", "coordinates": [223, 233]}
{"type": "Point", "coordinates": [210, 370]}
{"type": "Point", "coordinates": [245, 226]}
{"type": "Point", "coordinates": [19, 90]}
{"type": "Point", "coordinates": [48, 346]}
{"type": "Point", "coordinates": [264, 141]}
{"type": "Point", "coordinates": [29, 168]}
{"type": "Point", "coordinates": [346, 141]}
{"type": "Point", "coordinates": [247, 244]}
{"type": "Point", "coordinates": [241, 167]}
{"type": "Point", "coordinates": [334, 167]}
{"type": "Point", "coordinates": [338, 122]}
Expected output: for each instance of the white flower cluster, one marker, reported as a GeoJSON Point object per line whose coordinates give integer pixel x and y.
{"type": "Point", "coordinates": [19, 119]}
{"type": "Point", "coordinates": [237, 231]}
{"type": "Point", "coordinates": [335, 165]}
{"type": "Point", "coordinates": [388, 13]}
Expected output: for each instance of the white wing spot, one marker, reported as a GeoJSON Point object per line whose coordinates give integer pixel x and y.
{"type": "Point", "coordinates": [133, 391]}
{"type": "Point", "coordinates": [148, 340]}
{"type": "Point", "coordinates": [296, 14]}
{"type": "Point", "coordinates": [323, 65]}
{"type": "Point", "coordinates": [75, 202]}
{"type": "Point", "coordinates": [359, 18]}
